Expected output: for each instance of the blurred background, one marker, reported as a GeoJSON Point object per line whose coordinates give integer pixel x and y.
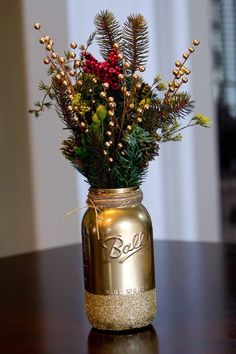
{"type": "Point", "coordinates": [190, 191]}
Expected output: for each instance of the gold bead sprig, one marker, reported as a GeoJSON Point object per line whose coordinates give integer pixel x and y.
{"type": "Point", "coordinates": [59, 63]}
{"type": "Point", "coordinates": [180, 71]}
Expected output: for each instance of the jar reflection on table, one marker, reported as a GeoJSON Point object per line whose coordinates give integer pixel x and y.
{"type": "Point", "coordinates": [144, 341]}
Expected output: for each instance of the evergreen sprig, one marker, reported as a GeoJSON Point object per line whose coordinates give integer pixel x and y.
{"type": "Point", "coordinates": [135, 41]}
{"type": "Point", "coordinates": [108, 32]}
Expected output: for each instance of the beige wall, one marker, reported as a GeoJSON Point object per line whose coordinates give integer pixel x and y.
{"type": "Point", "coordinates": [17, 229]}
{"type": "Point", "coordinates": [38, 186]}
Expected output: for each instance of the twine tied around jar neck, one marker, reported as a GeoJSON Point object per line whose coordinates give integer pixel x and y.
{"type": "Point", "coordinates": [115, 198]}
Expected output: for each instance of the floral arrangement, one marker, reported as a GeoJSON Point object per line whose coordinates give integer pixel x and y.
{"type": "Point", "coordinates": [116, 120]}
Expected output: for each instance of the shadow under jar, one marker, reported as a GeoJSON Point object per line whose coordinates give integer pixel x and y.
{"type": "Point", "coordinates": [118, 260]}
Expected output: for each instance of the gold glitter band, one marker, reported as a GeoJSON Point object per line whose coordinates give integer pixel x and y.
{"type": "Point", "coordinates": [121, 312]}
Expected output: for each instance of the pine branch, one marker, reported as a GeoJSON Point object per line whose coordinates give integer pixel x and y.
{"type": "Point", "coordinates": [136, 41]}
{"type": "Point", "coordinates": [107, 32]}
{"type": "Point", "coordinates": [130, 169]}
{"type": "Point", "coordinates": [62, 104]}
{"type": "Point", "coordinates": [90, 39]}
{"type": "Point", "coordinates": [96, 164]}
{"type": "Point", "coordinates": [167, 112]}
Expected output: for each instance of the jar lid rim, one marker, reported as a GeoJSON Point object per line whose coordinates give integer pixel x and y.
{"type": "Point", "coordinates": [113, 190]}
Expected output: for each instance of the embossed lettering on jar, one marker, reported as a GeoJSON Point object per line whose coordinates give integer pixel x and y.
{"type": "Point", "coordinates": [118, 260]}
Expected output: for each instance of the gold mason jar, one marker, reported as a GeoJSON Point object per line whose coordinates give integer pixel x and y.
{"type": "Point", "coordinates": [118, 260]}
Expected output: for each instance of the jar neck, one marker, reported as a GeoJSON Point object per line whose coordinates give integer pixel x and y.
{"type": "Point", "coordinates": [114, 198]}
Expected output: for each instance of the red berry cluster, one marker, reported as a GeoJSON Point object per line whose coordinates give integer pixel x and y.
{"type": "Point", "coordinates": [106, 71]}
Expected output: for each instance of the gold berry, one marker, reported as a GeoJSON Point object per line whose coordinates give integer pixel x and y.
{"type": "Point", "coordinates": [196, 42]}
{"type": "Point", "coordinates": [72, 55]}
{"type": "Point", "coordinates": [111, 113]}
{"type": "Point", "coordinates": [79, 82]}
{"type": "Point", "coordinates": [54, 55]}
{"type": "Point", "coordinates": [184, 79]}
{"type": "Point", "coordinates": [129, 128]}
{"type": "Point", "coordinates": [77, 64]}
{"type": "Point", "coordinates": [110, 159]}
{"type": "Point", "coordinates": [46, 39]}
{"type": "Point", "coordinates": [112, 105]}
{"type": "Point", "coordinates": [120, 145]}
{"type": "Point", "coordinates": [111, 124]}
{"type": "Point", "coordinates": [116, 45]}
{"type": "Point", "coordinates": [109, 133]}
{"type": "Point", "coordinates": [131, 105]}
{"type": "Point", "coordinates": [105, 85]}
{"type": "Point", "coordinates": [94, 80]}
{"type": "Point", "coordinates": [139, 120]}
{"type": "Point", "coordinates": [127, 65]}
{"type": "Point", "coordinates": [41, 40]}
{"type": "Point", "coordinates": [73, 45]}
{"type": "Point", "coordinates": [139, 110]}
{"type": "Point", "coordinates": [186, 55]}
{"type": "Point", "coordinates": [103, 94]}
{"type": "Point", "coordinates": [121, 76]}
{"type": "Point", "coordinates": [191, 49]}
{"type": "Point", "coordinates": [46, 61]}
{"type": "Point", "coordinates": [110, 99]}
{"type": "Point", "coordinates": [177, 63]}
{"type": "Point", "coordinates": [48, 47]}
{"type": "Point", "coordinates": [141, 68]}
{"type": "Point", "coordinates": [82, 124]}
{"type": "Point", "coordinates": [62, 60]}
{"type": "Point", "coordinates": [70, 109]}
{"type": "Point", "coordinates": [37, 26]}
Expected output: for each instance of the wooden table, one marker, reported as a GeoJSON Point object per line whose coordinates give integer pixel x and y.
{"type": "Point", "coordinates": [42, 311]}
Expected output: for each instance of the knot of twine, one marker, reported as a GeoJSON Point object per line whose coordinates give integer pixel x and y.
{"type": "Point", "coordinates": [99, 199]}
